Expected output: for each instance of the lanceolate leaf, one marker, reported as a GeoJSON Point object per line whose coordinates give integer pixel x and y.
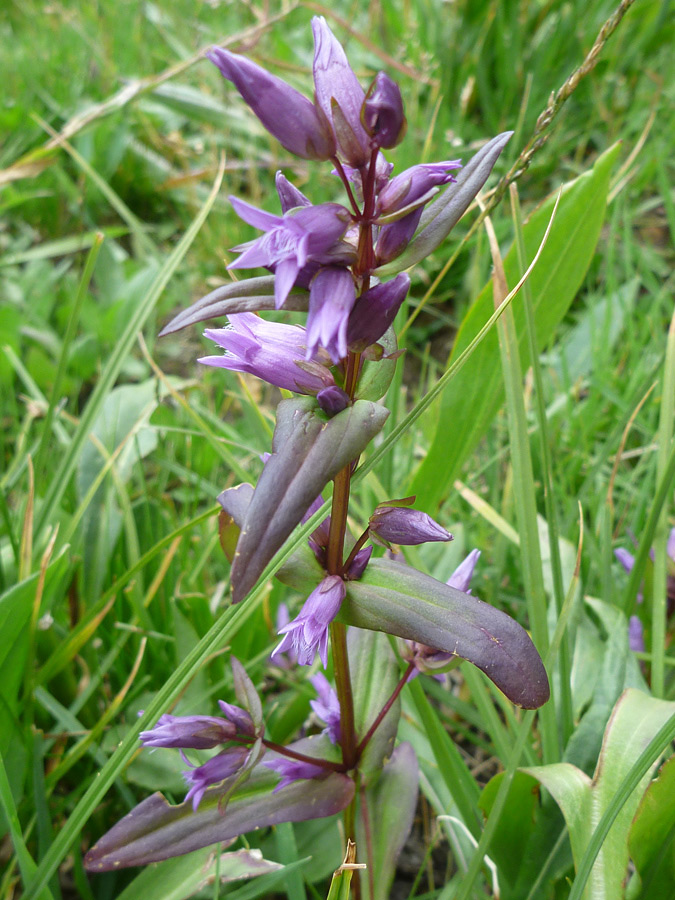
{"type": "Point", "coordinates": [301, 571]}
{"type": "Point", "coordinates": [391, 801]}
{"type": "Point", "coordinates": [308, 451]}
{"type": "Point", "coordinates": [398, 599]}
{"type": "Point", "coordinates": [156, 830]}
{"type": "Point", "coordinates": [441, 216]}
{"type": "Point", "coordinates": [251, 295]}
{"type": "Point", "coordinates": [635, 720]}
{"type": "Point", "coordinates": [472, 399]}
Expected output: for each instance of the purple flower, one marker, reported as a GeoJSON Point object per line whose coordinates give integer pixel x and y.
{"type": "Point", "coordinates": [333, 400]}
{"type": "Point", "coordinates": [290, 242]}
{"type": "Point", "coordinates": [327, 707]}
{"type": "Point", "coordinates": [331, 297]}
{"type": "Point", "coordinates": [636, 640]}
{"type": "Point", "coordinates": [408, 191]}
{"type": "Point", "coordinates": [293, 770]}
{"type": "Point", "coordinates": [271, 351]}
{"type": "Point", "coordinates": [193, 732]}
{"type": "Point", "coordinates": [318, 539]}
{"type": "Point", "coordinates": [240, 718]}
{"type": "Point", "coordinates": [627, 560]}
{"type": "Point", "coordinates": [359, 563]}
{"type": "Point", "coordinates": [217, 769]}
{"type": "Point", "coordinates": [293, 120]}
{"type": "Point", "coordinates": [382, 112]}
{"type": "Point", "coordinates": [339, 94]}
{"type": "Point", "coordinates": [308, 633]}
{"type": "Point", "coordinates": [399, 525]}
{"type": "Point", "coordinates": [375, 311]}
{"type": "Point", "coordinates": [289, 196]}
{"type": "Point", "coordinates": [461, 577]}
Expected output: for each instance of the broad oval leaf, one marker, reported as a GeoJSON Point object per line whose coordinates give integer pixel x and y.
{"type": "Point", "coordinates": [441, 216]}
{"type": "Point", "coordinates": [251, 295]}
{"type": "Point", "coordinates": [308, 451]}
{"type": "Point", "coordinates": [156, 830]}
{"type": "Point", "coordinates": [398, 599]}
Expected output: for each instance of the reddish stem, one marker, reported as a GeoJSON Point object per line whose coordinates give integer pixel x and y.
{"type": "Point", "coordinates": [385, 709]}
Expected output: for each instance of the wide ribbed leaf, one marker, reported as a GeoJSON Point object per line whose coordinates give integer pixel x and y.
{"type": "Point", "coordinates": [156, 830]}
{"type": "Point", "coordinates": [308, 451]}
{"type": "Point", "coordinates": [441, 216]}
{"type": "Point", "coordinates": [250, 295]}
{"type": "Point", "coordinates": [399, 600]}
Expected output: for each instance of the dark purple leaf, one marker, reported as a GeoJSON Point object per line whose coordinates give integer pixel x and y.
{"type": "Point", "coordinates": [308, 452]}
{"type": "Point", "coordinates": [156, 830]}
{"type": "Point", "coordinates": [441, 216]}
{"type": "Point", "coordinates": [398, 599]}
{"type": "Point", "coordinates": [250, 295]}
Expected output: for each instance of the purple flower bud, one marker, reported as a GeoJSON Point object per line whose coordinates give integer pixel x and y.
{"type": "Point", "coordinates": [291, 241]}
{"type": "Point", "coordinates": [393, 239]}
{"type": "Point", "coordinates": [636, 640]}
{"type": "Point", "coordinates": [461, 577]}
{"type": "Point", "coordinates": [327, 707]}
{"type": "Point", "coordinates": [339, 94]}
{"type": "Point", "coordinates": [414, 183]}
{"type": "Point", "coordinates": [293, 120]}
{"type": "Point", "coordinates": [382, 112]}
{"type": "Point", "coordinates": [331, 298]}
{"type": "Point", "coordinates": [318, 539]}
{"type": "Point", "coordinates": [333, 400]}
{"type": "Point", "coordinates": [293, 770]}
{"type": "Point", "coordinates": [309, 631]}
{"type": "Point", "coordinates": [240, 718]}
{"type": "Point", "coordinates": [217, 769]}
{"type": "Point", "coordinates": [399, 525]}
{"type": "Point", "coordinates": [193, 732]}
{"type": "Point", "coordinates": [289, 196]}
{"type": "Point", "coordinates": [626, 559]}
{"type": "Point", "coordinates": [375, 311]}
{"type": "Point", "coordinates": [271, 351]}
{"type": "Point", "coordinates": [359, 563]}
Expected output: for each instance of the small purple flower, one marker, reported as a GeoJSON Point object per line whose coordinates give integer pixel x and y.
{"type": "Point", "coordinates": [189, 732]}
{"type": "Point", "coordinates": [331, 298]}
{"type": "Point", "coordinates": [627, 560]}
{"type": "Point", "coordinates": [359, 563]}
{"type": "Point", "coordinates": [308, 633]}
{"type": "Point", "coordinates": [293, 120]}
{"type": "Point", "coordinates": [408, 191]}
{"type": "Point", "coordinates": [339, 94]}
{"type": "Point", "coordinates": [461, 577]}
{"type": "Point", "coordinates": [398, 525]}
{"type": "Point", "coordinates": [333, 400]}
{"type": "Point", "coordinates": [269, 350]}
{"type": "Point", "coordinates": [293, 770]}
{"type": "Point", "coordinates": [327, 707]}
{"type": "Point", "coordinates": [375, 311]}
{"type": "Point", "coordinates": [289, 196]}
{"type": "Point", "coordinates": [215, 770]}
{"type": "Point", "coordinates": [636, 640]}
{"type": "Point", "coordinates": [240, 718]}
{"type": "Point", "coordinates": [290, 242]}
{"type": "Point", "coordinates": [382, 112]}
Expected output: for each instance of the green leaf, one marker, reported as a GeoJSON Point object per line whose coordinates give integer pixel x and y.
{"type": "Point", "coordinates": [155, 830]}
{"type": "Point", "coordinates": [178, 879]}
{"type": "Point", "coordinates": [398, 599]}
{"type": "Point", "coordinates": [635, 720]}
{"type": "Point", "coordinates": [250, 295]}
{"type": "Point", "coordinates": [308, 452]}
{"type": "Point", "coordinates": [374, 674]}
{"type": "Point", "coordinates": [391, 801]}
{"type": "Point", "coordinates": [477, 392]}
{"type": "Point", "coordinates": [651, 837]}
